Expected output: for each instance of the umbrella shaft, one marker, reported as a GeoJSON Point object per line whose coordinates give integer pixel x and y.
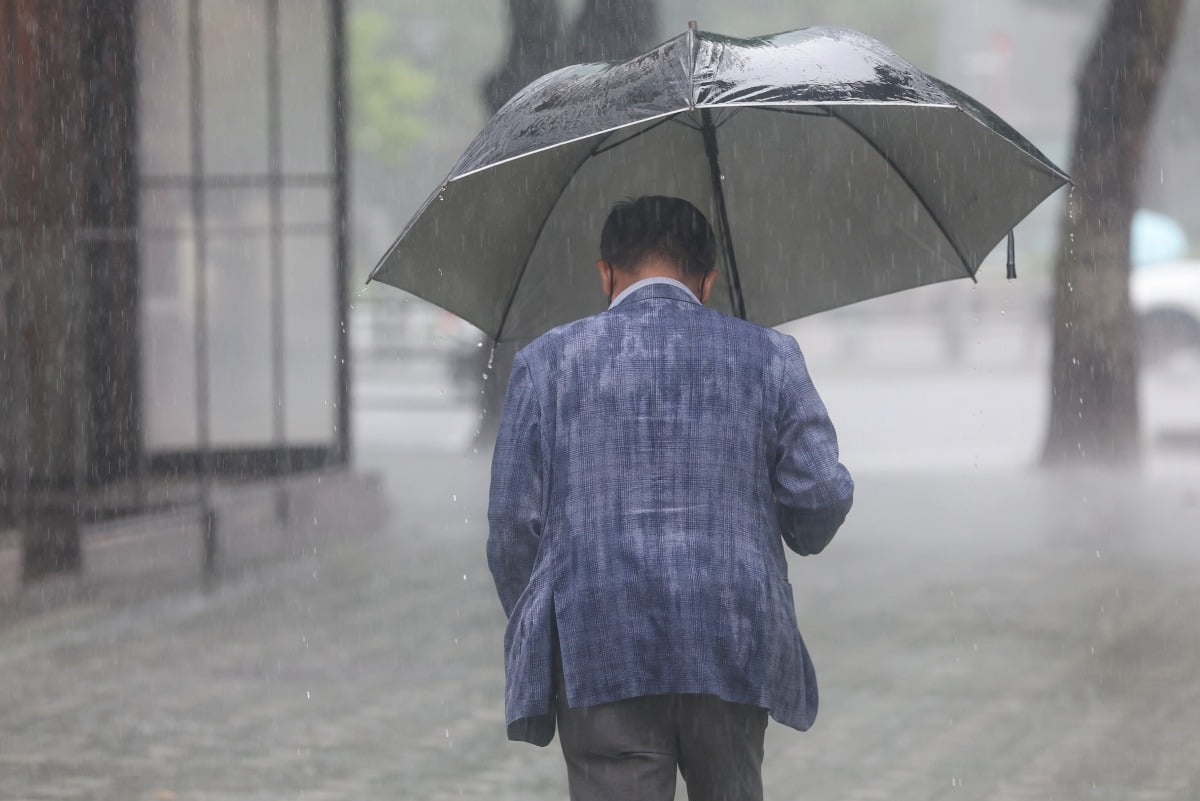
{"type": "Point", "coordinates": [709, 132]}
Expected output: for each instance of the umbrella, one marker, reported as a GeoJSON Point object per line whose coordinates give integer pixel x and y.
{"type": "Point", "coordinates": [833, 171]}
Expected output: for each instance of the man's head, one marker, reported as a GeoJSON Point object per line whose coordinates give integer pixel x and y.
{"type": "Point", "coordinates": [657, 235]}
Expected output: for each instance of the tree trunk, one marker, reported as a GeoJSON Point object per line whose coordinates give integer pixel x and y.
{"type": "Point", "coordinates": [534, 47]}
{"type": "Point", "coordinates": [67, 301]}
{"type": "Point", "coordinates": [605, 30]}
{"type": "Point", "coordinates": [111, 255]}
{"type": "Point", "coordinates": [1094, 363]}
{"type": "Point", "coordinates": [41, 209]}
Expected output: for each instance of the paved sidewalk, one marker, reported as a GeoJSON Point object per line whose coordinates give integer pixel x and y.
{"type": "Point", "coordinates": [985, 635]}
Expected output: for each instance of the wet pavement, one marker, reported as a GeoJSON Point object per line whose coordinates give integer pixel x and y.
{"type": "Point", "coordinates": [981, 630]}
{"type": "Point", "coordinates": [979, 634]}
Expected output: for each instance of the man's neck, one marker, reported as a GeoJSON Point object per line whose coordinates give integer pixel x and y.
{"type": "Point", "coordinates": [650, 268]}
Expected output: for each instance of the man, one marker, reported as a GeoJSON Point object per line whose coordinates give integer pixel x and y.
{"type": "Point", "coordinates": [651, 463]}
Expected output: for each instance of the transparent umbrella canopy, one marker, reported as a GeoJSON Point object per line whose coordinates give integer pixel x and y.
{"type": "Point", "coordinates": [833, 171]}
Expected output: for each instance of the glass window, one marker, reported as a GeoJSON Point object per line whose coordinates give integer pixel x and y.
{"type": "Point", "coordinates": [233, 42]}
{"type": "Point", "coordinates": [229, 209]}
{"type": "Point", "coordinates": [168, 343]}
{"type": "Point", "coordinates": [165, 211]}
{"type": "Point", "coordinates": [305, 85]}
{"type": "Point", "coordinates": [239, 341]}
{"type": "Point", "coordinates": [310, 326]}
{"type": "Point", "coordinates": [164, 144]}
{"type": "Point", "coordinates": [238, 221]}
{"type": "Point", "coordinates": [308, 206]}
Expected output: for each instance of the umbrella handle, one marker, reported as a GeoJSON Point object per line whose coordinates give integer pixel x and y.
{"type": "Point", "coordinates": [1012, 255]}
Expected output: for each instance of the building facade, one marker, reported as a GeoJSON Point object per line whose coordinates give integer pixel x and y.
{"type": "Point", "coordinates": [172, 254]}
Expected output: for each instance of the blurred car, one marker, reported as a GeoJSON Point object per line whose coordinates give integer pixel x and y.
{"type": "Point", "coordinates": [1164, 286]}
{"type": "Point", "coordinates": [1166, 299]}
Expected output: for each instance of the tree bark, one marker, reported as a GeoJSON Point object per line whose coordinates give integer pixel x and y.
{"type": "Point", "coordinates": [606, 30]}
{"type": "Point", "coordinates": [534, 48]}
{"type": "Point", "coordinates": [41, 208]}
{"type": "Point", "coordinates": [1094, 416]}
{"type": "Point", "coordinates": [67, 274]}
{"type": "Point", "coordinates": [110, 210]}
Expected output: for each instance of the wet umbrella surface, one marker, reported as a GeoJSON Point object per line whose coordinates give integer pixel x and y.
{"type": "Point", "coordinates": [833, 169]}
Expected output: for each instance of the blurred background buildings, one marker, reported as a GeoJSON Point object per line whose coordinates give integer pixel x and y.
{"type": "Point", "coordinates": [187, 215]}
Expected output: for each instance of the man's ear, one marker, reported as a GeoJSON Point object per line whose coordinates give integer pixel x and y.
{"type": "Point", "coordinates": [706, 285]}
{"type": "Point", "coordinates": [606, 277]}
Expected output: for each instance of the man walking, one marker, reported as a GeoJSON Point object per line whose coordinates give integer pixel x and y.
{"type": "Point", "coordinates": [652, 462]}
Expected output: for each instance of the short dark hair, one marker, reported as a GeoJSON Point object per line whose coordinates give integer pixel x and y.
{"type": "Point", "coordinates": [669, 227]}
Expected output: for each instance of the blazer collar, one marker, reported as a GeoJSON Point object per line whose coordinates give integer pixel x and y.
{"type": "Point", "coordinates": [657, 288]}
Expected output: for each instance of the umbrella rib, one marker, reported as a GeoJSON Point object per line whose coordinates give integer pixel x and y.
{"type": "Point", "coordinates": [598, 150]}
{"type": "Point", "coordinates": [512, 295]}
{"type": "Point", "coordinates": [729, 115]}
{"type": "Point", "coordinates": [945, 234]}
{"type": "Point", "coordinates": [823, 112]}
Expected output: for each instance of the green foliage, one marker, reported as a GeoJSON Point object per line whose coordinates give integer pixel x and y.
{"type": "Point", "coordinates": [388, 91]}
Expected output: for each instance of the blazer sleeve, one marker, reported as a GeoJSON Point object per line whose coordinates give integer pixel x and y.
{"type": "Point", "coordinates": [515, 498]}
{"type": "Point", "coordinates": [813, 490]}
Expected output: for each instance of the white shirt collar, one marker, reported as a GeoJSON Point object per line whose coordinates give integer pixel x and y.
{"type": "Point", "coordinates": [654, 279]}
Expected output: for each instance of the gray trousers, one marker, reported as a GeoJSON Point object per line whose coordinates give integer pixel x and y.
{"type": "Point", "coordinates": [629, 750]}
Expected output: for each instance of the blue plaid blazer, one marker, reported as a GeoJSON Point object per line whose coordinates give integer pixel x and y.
{"type": "Point", "coordinates": [652, 461]}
